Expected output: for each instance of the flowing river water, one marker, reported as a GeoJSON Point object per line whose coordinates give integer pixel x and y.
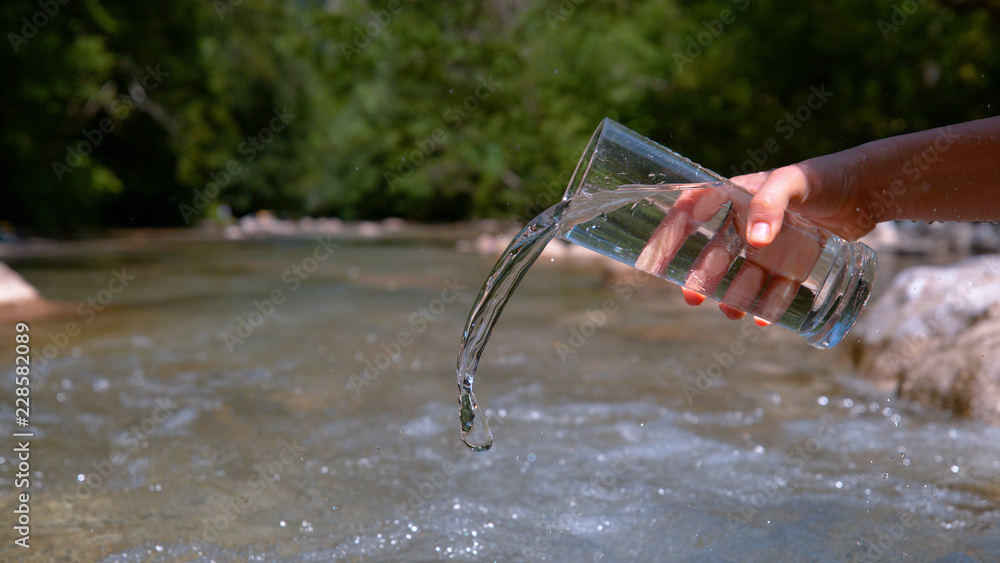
{"type": "Point", "coordinates": [294, 400]}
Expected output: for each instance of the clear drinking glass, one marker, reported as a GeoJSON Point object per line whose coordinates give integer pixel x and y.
{"type": "Point", "coordinates": [689, 230]}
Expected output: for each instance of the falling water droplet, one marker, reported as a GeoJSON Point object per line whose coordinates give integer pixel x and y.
{"type": "Point", "coordinates": [475, 428]}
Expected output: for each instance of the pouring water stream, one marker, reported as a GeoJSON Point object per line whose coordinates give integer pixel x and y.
{"type": "Point", "coordinates": [513, 264]}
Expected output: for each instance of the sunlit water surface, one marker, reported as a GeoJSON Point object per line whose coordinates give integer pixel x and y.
{"type": "Point", "coordinates": [166, 431]}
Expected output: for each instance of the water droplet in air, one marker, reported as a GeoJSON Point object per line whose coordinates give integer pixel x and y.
{"type": "Point", "coordinates": [475, 428]}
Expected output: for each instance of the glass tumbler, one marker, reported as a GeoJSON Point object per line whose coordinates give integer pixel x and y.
{"type": "Point", "coordinates": [685, 224]}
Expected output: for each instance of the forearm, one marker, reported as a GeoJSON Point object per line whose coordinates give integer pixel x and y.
{"type": "Point", "coordinates": [947, 174]}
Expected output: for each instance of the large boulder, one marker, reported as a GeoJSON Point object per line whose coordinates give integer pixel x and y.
{"type": "Point", "coordinates": [934, 336]}
{"type": "Point", "coordinates": [19, 300]}
{"type": "Point", "coordinates": [934, 239]}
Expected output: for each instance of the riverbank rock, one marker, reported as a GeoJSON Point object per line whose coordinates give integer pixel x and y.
{"type": "Point", "coordinates": [934, 336]}
{"type": "Point", "coordinates": [921, 238]}
{"type": "Point", "coordinates": [19, 300]}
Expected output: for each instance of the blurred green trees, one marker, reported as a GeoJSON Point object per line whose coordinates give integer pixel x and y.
{"type": "Point", "coordinates": [137, 114]}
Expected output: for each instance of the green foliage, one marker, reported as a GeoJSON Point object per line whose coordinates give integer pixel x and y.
{"type": "Point", "coordinates": [119, 113]}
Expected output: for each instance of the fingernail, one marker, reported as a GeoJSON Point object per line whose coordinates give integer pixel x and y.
{"type": "Point", "coordinates": [692, 298]}
{"type": "Point", "coordinates": [731, 313]}
{"type": "Point", "coordinates": [759, 232]}
{"type": "Point", "coordinates": [761, 322]}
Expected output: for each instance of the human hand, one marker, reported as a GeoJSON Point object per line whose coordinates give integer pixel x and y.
{"type": "Point", "coordinates": [818, 190]}
{"type": "Point", "coordinates": [775, 261]}
{"type": "Point", "coordinates": [847, 193]}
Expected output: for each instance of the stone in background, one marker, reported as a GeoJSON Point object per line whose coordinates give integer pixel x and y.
{"type": "Point", "coordinates": [934, 336]}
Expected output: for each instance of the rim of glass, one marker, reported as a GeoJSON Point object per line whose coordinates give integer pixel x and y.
{"type": "Point", "coordinates": [576, 181]}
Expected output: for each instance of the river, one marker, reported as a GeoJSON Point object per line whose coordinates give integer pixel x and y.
{"type": "Point", "coordinates": [294, 399]}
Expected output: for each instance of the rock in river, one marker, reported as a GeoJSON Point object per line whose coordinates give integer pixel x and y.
{"type": "Point", "coordinates": [19, 300]}
{"type": "Point", "coordinates": [934, 336]}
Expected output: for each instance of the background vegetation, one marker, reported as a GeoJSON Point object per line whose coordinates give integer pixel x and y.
{"type": "Point", "coordinates": [123, 113]}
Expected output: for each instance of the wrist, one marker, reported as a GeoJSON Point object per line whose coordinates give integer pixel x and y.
{"type": "Point", "coordinates": [857, 176]}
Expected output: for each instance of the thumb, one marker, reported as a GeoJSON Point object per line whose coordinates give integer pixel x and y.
{"type": "Point", "coordinates": [768, 205]}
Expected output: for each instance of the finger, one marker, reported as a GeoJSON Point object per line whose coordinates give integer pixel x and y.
{"type": "Point", "coordinates": [768, 205]}
{"type": "Point", "coordinates": [792, 254]}
{"type": "Point", "coordinates": [692, 298]}
{"type": "Point", "coordinates": [751, 182]}
{"type": "Point", "coordinates": [664, 243]}
{"type": "Point", "coordinates": [681, 220]}
{"type": "Point", "coordinates": [711, 267]}
{"type": "Point", "coordinates": [776, 298]}
{"type": "Point", "coordinates": [746, 286]}
{"type": "Point", "coordinates": [708, 203]}
{"type": "Point", "coordinates": [716, 257]}
{"type": "Point", "coordinates": [731, 313]}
